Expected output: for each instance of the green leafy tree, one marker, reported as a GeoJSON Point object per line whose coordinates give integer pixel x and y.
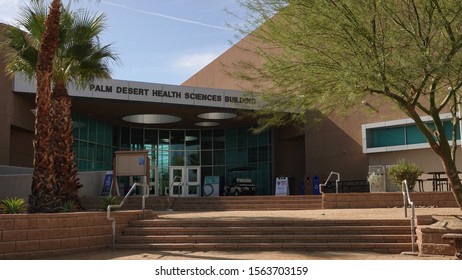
{"type": "Point", "coordinates": [78, 58]}
{"type": "Point", "coordinates": [404, 170]}
{"type": "Point", "coordinates": [326, 55]}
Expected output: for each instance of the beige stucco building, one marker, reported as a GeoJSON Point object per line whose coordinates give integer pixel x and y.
{"type": "Point", "coordinates": [196, 129]}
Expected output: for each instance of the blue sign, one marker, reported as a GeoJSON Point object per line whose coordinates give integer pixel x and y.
{"type": "Point", "coordinates": [107, 183]}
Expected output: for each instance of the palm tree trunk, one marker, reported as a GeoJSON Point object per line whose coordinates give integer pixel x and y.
{"type": "Point", "coordinates": [65, 165]}
{"type": "Point", "coordinates": [44, 196]}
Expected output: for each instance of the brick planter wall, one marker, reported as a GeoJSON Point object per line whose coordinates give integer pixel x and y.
{"type": "Point", "coordinates": [386, 200]}
{"type": "Point", "coordinates": [430, 230]}
{"type": "Point", "coordinates": [32, 236]}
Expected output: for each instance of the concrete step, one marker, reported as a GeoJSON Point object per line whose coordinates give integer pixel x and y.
{"type": "Point", "coordinates": [391, 248]}
{"type": "Point", "coordinates": [261, 231]}
{"type": "Point", "coordinates": [201, 222]}
{"type": "Point", "coordinates": [251, 238]}
{"type": "Point", "coordinates": [387, 236]}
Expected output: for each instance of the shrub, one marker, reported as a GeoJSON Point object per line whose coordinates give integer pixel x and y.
{"type": "Point", "coordinates": [404, 170]}
{"type": "Point", "coordinates": [69, 206]}
{"type": "Point", "coordinates": [110, 200]}
{"type": "Point", "coordinates": [13, 206]}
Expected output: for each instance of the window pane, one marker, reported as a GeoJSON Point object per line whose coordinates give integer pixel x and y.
{"type": "Point", "coordinates": [218, 139]}
{"type": "Point", "coordinates": [108, 135]}
{"type": "Point", "coordinates": [263, 154]}
{"type": "Point", "coordinates": [177, 158]}
{"type": "Point", "coordinates": [219, 157]}
{"type": "Point", "coordinates": [243, 156]}
{"type": "Point", "coordinates": [108, 155]}
{"type": "Point", "coordinates": [100, 132]}
{"type": "Point", "coordinates": [252, 139]}
{"type": "Point", "coordinates": [192, 140]}
{"type": "Point", "coordinates": [383, 137]}
{"type": "Point", "coordinates": [263, 138]}
{"type": "Point", "coordinates": [253, 155]}
{"type": "Point", "coordinates": [177, 140]}
{"type": "Point", "coordinates": [150, 136]}
{"type": "Point", "coordinates": [193, 158]}
{"type": "Point", "coordinates": [231, 138]}
{"type": "Point", "coordinates": [137, 138]}
{"type": "Point", "coordinates": [231, 157]}
{"type": "Point", "coordinates": [83, 154]}
{"type": "Point", "coordinates": [99, 153]}
{"type": "Point", "coordinates": [206, 158]}
{"type": "Point", "coordinates": [91, 151]}
{"type": "Point", "coordinates": [116, 136]}
{"type": "Point", "coordinates": [91, 130]}
{"type": "Point", "coordinates": [242, 137]}
{"type": "Point", "coordinates": [125, 137]}
{"type": "Point", "coordinates": [206, 139]}
{"type": "Point", "coordinates": [164, 140]}
{"type": "Point", "coordinates": [206, 171]}
{"type": "Point", "coordinates": [83, 122]}
{"type": "Point", "coordinates": [414, 136]}
{"type": "Point", "coordinates": [219, 171]}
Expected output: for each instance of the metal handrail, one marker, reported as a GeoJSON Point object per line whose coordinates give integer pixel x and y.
{"type": "Point", "coordinates": [173, 182]}
{"type": "Point", "coordinates": [143, 203]}
{"type": "Point", "coordinates": [327, 180]}
{"type": "Point", "coordinates": [407, 201]}
{"type": "Point", "coordinates": [168, 191]}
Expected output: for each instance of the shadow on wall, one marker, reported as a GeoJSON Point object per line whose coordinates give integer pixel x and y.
{"type": "Point", "coordinates": [17, 181]}
{"type": "Point", "coordinates": [335, 144]}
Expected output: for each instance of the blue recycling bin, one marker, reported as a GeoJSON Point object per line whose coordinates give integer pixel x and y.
{"type": "Point", "coordinates": [316, 181]}
{"type": "Point", "coordinates": [302, 188]}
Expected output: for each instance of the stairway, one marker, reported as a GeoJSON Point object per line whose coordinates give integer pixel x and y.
{"type": "Point", "coordinates": [385, 236]}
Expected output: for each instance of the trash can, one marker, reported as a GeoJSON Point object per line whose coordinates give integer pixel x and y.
{"type": "Point", "coordinates": [302, 188]}
{"type": "Point", "coordinates": [316, 181]}
{"type": "Point", "coordinates": [308, 183]}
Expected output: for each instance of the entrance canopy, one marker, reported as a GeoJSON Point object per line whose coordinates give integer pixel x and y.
{"type": "Point", "coordinates": [156, 105]}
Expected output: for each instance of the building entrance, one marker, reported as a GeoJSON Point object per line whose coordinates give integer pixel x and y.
{"type": "Point", "coordinates": [184, 181]}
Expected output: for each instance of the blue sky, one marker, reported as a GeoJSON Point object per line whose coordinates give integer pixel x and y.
{"type": "Point", "coordinates": [159, 41]}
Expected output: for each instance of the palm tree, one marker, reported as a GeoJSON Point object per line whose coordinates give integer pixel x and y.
{"type": "Point", "coordinates": [78, 58]}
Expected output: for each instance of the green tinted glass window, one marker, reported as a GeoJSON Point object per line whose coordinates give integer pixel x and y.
{"type": "Point", "coordinates": [231, 138]}
{"type": "Point", "coordinates": [387, 136]}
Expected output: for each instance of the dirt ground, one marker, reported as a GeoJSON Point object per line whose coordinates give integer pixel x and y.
{"type": "Point", "coordinates": [107, 254]}
{"type": "Point", "coordinates": [379, 213]}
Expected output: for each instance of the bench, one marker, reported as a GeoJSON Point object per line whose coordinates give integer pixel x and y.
{"type": "Point", "coordinates": [456, 240]}
{"type": "Point", "coordinates": [350, 186]}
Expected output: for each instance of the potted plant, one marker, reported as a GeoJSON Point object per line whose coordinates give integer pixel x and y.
{"type": "Point", "coordinates": [404, 170]}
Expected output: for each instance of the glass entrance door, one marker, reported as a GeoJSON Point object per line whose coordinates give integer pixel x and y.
{"type": "Point", "coordinates": [184, 181]}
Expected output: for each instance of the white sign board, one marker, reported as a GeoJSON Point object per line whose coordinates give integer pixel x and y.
{"type": "Point", "coordinates": [131, 163]}
{"type": "Point", "coordinates": [282, 186]}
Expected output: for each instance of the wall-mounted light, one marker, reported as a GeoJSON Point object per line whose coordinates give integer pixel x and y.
{"type": "Point", "coordinates": [368, 105]}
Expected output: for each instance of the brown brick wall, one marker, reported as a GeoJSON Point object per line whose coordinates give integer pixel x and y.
{"type": "Point", "coordinates": [31, 236]}
{"type": "Point", "coordinates": [430, 237]}
{"type": "Point", "coordinates": [386, 200]}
